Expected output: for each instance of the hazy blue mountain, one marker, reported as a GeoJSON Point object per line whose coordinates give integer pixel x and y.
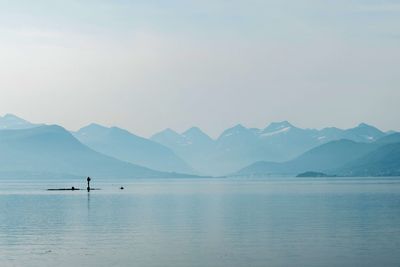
{"type": "Point", "coordinates": [329, 156]}
{"type": "Point", "coordinates": [193, 145]}
{"type": "Point", "coordinates": [237, 146]}
{"type": "Point", "coordinates": [197, 137]}
{"type": "Point", "coordinates": [10, 121]}
{"type": "Point", "coordinates": [363, 133]}
{"type": "Point", "coordinates": [329, 134]}
{"type": "Point", "coordinates": [240, 146]}
{"type": "Point", "coordinates": [342, 157]}
{"type": "Point", "coordinates": [199, 146]}
{"type": "Point", "coordinates": [126, 146]}
{"type": "Point", "coordinates": [53, 150]}
{"type": "Point", "coordinates": [170, 138]}
{"type": "Point", "coordinates": [291, 141]}
{"type": "Point", "coordinates": [320, 159]}
{"type": "Point", "coordinates": [384, 161]}
{"type": "Point", "coordinates": [389, 139]}
{"type": "Point", "coordinates": [193, 137]}
{"type": "Point", "coordinates": [264, 168]}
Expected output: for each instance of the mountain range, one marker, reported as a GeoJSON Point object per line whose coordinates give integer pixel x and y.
{"type": "Point", "coordinates": [50, 150]}
{"type": "Point", "coordinates": [239, 146]}
{"type": "Point", "coordinates": [342, 157]}
{"type": "Point", "coordinates": [279, 148]}
{"type": "Point", "coordinates": [126, 146]}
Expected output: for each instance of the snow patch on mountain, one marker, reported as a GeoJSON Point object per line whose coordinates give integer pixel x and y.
{"type": "Point", "coordinates": [228, 134]}
{"type": "Point", "coordinates": [279, 131]}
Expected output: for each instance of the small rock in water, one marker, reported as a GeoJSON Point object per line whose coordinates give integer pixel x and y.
{"type": "Point", "coordinates": [122, 188]}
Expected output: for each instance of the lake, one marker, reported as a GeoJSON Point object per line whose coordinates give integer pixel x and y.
{"type": "Point", "coordinates": [207, 222]}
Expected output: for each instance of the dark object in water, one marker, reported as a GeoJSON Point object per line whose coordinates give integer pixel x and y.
{"type": "Point", "coordinates": [70, 189]}
{"type": "Point", "coordinates": [73, 188]}
{"type": "Point", "coordinates": [122, 188]}
{"type": "Point", "coordinates": [63, 189]}
{"type": "Point", "coordinates": [88, 184]}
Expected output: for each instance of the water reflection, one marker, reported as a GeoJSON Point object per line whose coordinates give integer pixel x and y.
{"type": "Point", "coordinates": [205, 223]}
{"type": "Point", "coordinates": [88, 201]}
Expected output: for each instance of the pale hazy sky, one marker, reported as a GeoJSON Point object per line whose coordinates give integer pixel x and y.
{"type": "Point", "coordinates": [147, 65]}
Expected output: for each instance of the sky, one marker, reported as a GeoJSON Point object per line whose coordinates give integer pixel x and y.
{"type": "Point", "coordinates": [149, 65]}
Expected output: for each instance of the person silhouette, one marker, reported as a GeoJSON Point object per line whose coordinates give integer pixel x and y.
{"type": "Point", "coordinates": [88, 184]}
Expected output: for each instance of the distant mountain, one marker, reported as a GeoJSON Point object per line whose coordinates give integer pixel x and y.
{"type": "Point", "coordinates": [289, 140]}
{"type": "Point", "coordinates": [363, 133]}
{"type": "Point", "coordinates": [240, 146]}
{"type": "Point", "coordinates": [389, 139]}
{"type": "Point", "coordinates": [51, 150]}
{"type": "Point", "coordinates": [10, 121]}
{"type": "Point", "coordinates": [193, 137]}
{"type": "Point", "coordinates": [170, 138]}
{"type": "Point", "coordinates": [193, 145]}
{"type": "Point", "coordinates": [330, 156]}
{"type": "Point", "coordinates": [194, 151]}
{"type": "Point", "coordinates": [126, 146]}
{"type": "Point", "coordinates": [197, 137]}
{"type": "Point", "coordinates": [384, 161]}
{"type": "Point", "coordinates": [320, 159]}
{"type": "Point", "coordinates": [237, 146]}
{"type": "Point", "coordinates": [342, 157]}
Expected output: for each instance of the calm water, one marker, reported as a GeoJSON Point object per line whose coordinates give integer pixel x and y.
{"type": "Point", "coordinates": [274, 222]}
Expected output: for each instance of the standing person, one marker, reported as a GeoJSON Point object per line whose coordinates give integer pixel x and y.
{"type": "Point", "coordinates": [88, 184]}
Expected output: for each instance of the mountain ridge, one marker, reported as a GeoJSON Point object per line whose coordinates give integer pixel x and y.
{"type": "Point", "coordinates": [340, 157]}
{"type": "Point", "coordinates": [126, 146]}
{"type": "Point", "coordinates": [193, 151]}
{"type": "Point", "coordinates": [52, 149]}
{"type": "Point", "coordinates": [239, 146]}
{"type": "Point", "coordinates": [11, 121]}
